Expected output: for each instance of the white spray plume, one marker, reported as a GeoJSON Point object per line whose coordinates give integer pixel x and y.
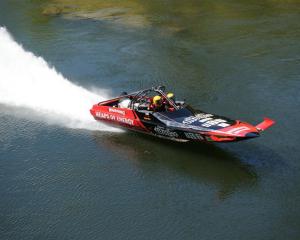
{"type": "Point", "coordinates": [27, 81]}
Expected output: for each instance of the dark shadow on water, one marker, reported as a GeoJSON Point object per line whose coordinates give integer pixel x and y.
{"type": "Point", "coordinates": [201, 162]}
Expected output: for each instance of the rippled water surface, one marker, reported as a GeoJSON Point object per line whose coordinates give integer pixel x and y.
{"type": "Point", "coordinates": [235, 58]}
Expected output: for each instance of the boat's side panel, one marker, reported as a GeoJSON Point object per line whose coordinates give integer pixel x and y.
{"type": "Point", "coordinates": [121, 116]}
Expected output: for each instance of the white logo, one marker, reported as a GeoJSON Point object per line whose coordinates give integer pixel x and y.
{"type": "Point", "coordinates": [165, 132]}
{"type": "Point", "coordinates": [116, 111]}
{"type": "Point", "coordinates": [115, 118]}
{"type": "Point", "coordinates": [194, 136]}
{"type": "Point", "coordinates": [206, 120]}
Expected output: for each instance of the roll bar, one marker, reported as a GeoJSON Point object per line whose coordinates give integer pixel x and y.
{"type": "Point", "coordinates": [159, 89]}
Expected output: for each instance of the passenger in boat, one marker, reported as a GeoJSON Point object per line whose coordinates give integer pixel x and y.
{"type": "Point", "coordinates": [167, 104]}
{"type": "Point", "coordinates": [171, 96]}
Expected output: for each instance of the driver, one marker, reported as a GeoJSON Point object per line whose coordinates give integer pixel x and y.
{"type": "Point", "coordinates": [157, 104]}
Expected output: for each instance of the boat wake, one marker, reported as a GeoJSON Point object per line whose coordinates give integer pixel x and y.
{"type": "Point", "coordinates": [28, 82]}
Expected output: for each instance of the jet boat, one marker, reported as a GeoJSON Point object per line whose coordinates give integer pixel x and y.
{"type": "Point", "coordinates": [178, 121]}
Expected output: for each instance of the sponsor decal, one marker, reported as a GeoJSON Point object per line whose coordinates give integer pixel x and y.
{"type": "Point", "coordinates": [115, 110]}
{"type": "Point", "coordinates": [108, 116]}
{"type": "Point", "coordinates": [200, 117]}
{"type": "Point", "coordinates": [193, 136]}
{"type": "Point", "coordinates": [105, 116]}
{"type": "Point", "coordinates": [216, 122]}
{"type": "Point", "coordinates": [125, 120]}
{"type": "Point", "coordinates": [206, 120]}
{"type": "Point", "coordinates": [165, 132]}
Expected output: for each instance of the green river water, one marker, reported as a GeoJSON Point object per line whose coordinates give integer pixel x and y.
{"type": "Point", "coordinates": [239, 59]}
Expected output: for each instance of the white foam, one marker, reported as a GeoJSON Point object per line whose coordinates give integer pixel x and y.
{"type": "Point", "coordinates": [27, 81]}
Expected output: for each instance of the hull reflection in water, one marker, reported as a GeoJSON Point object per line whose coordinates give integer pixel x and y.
{"type": "Point", "coordinates": [204, 163]}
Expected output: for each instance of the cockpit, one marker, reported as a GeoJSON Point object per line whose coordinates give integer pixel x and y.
{"type": "Point", "coordinates": [145, 100]}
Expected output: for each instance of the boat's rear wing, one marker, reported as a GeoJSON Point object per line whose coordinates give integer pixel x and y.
{"type": "Point", "coordinates": [265, 124]}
